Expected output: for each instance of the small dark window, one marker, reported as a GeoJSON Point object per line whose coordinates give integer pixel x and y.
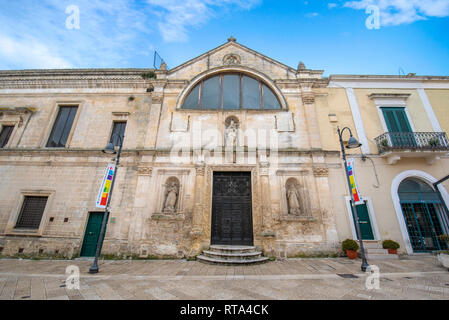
{"type": "Point", "coordinates": [5, 135]}
{"type": "Point", "coordinates": [118, 130]}
{"type": "Point", "coordinates": [31, 213]}
{"type": "Point", "coordinates": [61, 128]}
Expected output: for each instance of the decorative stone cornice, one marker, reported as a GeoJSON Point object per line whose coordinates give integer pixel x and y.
{"type": "Point", "coordinates": [264, 168]}
{"type": "Point", "coordinates": [320, 172]}
{"type": "Point", "coordinates": [79, 78]}
{"type": "Point", "coordinates": [403, 96]}
{"type": "Point", "coordinates": [145, 171]}
{"type": "Point", "coordinates": [308, 98]}
{"type": "Point", "coordinates": [200, 170]}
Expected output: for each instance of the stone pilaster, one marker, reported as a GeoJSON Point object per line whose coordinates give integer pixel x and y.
{"type": "Point", "coordinates": [321, 175]}
{"type": "Point", "coordinates": [268, 234]}
{"type": "Point", "coordinates": [157, 98]}
{"type": "Point", "coordinates": [308, 100]}
{"type": "Point", "coordinates": [197, 220]}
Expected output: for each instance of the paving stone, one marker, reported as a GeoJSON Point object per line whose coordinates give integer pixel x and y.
{"type": "Point", "coordinates": [287, 279]}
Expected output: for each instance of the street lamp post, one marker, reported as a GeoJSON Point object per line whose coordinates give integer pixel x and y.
{"type": "Point", "coordinates": [353, 144]}
{"type": "Point", "coordinates": [110, 148]}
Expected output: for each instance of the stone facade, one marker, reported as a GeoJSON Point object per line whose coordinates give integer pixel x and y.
{"type": "Point", "coordinates": [169, 157]}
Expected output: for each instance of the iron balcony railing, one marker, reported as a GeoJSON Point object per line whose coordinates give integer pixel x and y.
{"type": "Point", "coordinates": [417, 141]}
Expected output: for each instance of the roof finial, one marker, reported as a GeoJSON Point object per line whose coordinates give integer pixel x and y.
{"type": "Point", "coordinates": [232, 39]}
{"type": "Point", "coordinates": [301, 66]}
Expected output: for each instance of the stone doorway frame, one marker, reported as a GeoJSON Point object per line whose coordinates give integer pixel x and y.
{"type": "Point", "coordinates": [255, 196]}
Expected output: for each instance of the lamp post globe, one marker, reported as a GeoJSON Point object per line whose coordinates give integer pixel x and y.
{"type": "Point", "coordinates": [110, 149]}
{"type": "Point", "coordinates": [353, 143]}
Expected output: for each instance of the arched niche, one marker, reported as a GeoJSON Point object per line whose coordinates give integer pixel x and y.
{"type": "Point", "coordinates": [171, 196]}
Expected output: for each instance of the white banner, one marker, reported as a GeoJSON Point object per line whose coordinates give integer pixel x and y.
{"type": "Point", "coordinates": [105, 189]}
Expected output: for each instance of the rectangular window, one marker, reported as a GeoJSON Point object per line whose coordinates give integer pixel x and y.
{"type": "Point", "coordinates": [31, 213]}
{"type": "Point", "coordinates": [5, 135]}
{"type": "Point", "coordinates": [62, 127]}
{"type": "Point", "coordinates": [401, 133]}
{"type": "Point", "coordinates": [118, 130]}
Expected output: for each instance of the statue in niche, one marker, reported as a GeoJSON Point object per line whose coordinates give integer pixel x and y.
{"type": "Point", "coordinates": [171, 197]}
{"type": "Point", "coordinates": [294, 200]}
{"type": "Point", "coordinates": [231, 133]}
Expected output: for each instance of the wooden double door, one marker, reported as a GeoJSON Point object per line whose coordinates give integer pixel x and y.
{"type": "Point", "coordinates": [232, 222]}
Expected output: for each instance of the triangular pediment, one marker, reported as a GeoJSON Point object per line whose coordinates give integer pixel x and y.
{"type": "Point", "coordinates": [232, 53]}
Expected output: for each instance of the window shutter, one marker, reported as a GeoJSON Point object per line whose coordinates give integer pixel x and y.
{"type": "Point", "coordinates": [61, 129]}
{"type": "Point", "coordinates": [31, 214]}
{"type": "Point", "coordinates": [403, 123]}
{"type": "Point", "coordinates": [118, 129]}
{"type": "Point", "coordinates": [5, 135]}
{"type": "Point", "coordinates": [396, 120]}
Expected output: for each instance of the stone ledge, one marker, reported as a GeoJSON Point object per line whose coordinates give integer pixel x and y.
{"type": "Point", "coordinates": [269, 234]}
{"type": "Point", "coordinates": [167, 217]}
{"type": "Point", "coordinates": [297, 219]}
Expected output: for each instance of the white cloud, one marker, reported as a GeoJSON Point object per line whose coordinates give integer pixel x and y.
{"type": "Point", "coordinates": [332, 5]}
{"type": "Point", "coordinates": [29, 54]}
{"type": "Point", "coordinates": [35, 34]}
{"type": "Point", "coordinates": [176, 17]}
{"type": "Point", "coordinates": [397, 12]}
{"type": "Point", "coordinates": [113, 33]}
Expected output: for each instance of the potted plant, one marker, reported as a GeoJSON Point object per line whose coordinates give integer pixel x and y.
{"type": "Point", "coordinates": [443, 257]}
{"type": "Point", "coordinates": [391, 246]}
{"type": "Point", "coordinates": [350, 247]}
{"type": "Point", "coordinates": [384, 143]}
{"type": "Point", "coordinates": [434, 142]}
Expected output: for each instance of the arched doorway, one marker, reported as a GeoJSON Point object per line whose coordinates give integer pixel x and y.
{"type": "Point", "coordinates": [423, 215]}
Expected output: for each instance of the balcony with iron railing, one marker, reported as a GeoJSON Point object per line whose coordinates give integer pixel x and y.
{"type": "Point", "coordinates": [429, 145]}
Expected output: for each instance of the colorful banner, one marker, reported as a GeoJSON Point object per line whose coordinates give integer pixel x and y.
{"type": "Point", "coordinates": [354, 189]}
{"type": "Point", "coordinates": [105, 189]}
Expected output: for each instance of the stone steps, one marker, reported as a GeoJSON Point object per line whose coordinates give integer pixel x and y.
{"type": "Point", "coordinates": [232, 255]}
{"type": "Point", "coordinates": [372, 244]}
{"type": "Point", "coordinates": [377, 256]}
{"type": "Point", "coordinates": [374, 251]}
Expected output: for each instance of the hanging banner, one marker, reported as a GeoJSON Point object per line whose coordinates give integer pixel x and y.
{"type": "Point", "coordinates": [354, 188]}
{"type": "Point", "coordinates": [105, 189]}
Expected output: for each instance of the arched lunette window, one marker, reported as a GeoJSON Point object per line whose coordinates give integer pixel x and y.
{"type": "Point", "coordinates": [231, 91]}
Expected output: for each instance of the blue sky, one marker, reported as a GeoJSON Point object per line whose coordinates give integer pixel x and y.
{"type": "Point", "coordinates": [327, 35]}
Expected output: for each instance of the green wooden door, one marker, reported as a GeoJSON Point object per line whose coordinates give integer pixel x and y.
{"type": "Point", "coordinates": [92, 234]}
{"type": "Point", "coordinates": [401, 132]}
{"type": "Point", "coordinates": [365, 222]}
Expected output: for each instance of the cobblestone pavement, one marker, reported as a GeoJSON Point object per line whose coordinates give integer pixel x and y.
{"type": "Point", "coordinates": [297, 279]}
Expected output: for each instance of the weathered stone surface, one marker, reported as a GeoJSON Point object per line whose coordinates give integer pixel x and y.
{"type": "Point", "coordinates": [163, 143]}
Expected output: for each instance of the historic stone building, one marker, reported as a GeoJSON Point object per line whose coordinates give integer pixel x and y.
{"type": "Point", "coordinates": [231, 148]}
